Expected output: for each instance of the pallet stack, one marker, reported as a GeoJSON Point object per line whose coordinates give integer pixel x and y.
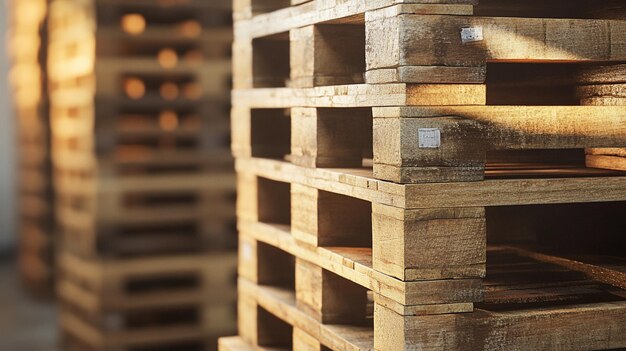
{"type": "Point", "coordinates": [27, 48]}
{"type": "Point", "coordinates": [411, 175]}
{"type": "Point", "coordinates": [139, 103]}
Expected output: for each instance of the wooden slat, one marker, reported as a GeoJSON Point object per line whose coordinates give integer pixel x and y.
{"type": "Point", "coordinates": [359, 183]}
{"type": "Point", "coordinates": [607, 270]}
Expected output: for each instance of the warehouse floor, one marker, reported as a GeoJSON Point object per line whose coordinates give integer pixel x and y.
{"type": "Point", "coordinates": [25, 323]}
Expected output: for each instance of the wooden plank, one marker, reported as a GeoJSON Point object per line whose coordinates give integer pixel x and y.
{"type": "Point", "coordinates": [422, 38]}
{"type": "Point", "coordinates": [556, 328]}
{"type": "Point", "coordinates": [492, 192]}
{"type": "Point", "coordinates": [608, 162]}
{"type": "Point", "coordinates": [607, 270]}
{"type": "Point", "coordinates": [361, 95]}
{"type": "Point", "coordinates": [318, 11]}
{"type": "Point", "coordinates": [100, 285]}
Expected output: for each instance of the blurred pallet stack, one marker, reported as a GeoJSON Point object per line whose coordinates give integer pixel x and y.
{"type": "Point", "coordinates": [411, 175]}
{"type": "Point", "coordinates": [27, 48]}
{"type": "Point", "coordinates": [139, 103]}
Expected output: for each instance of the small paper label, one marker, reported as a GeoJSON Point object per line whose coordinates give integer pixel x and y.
{"type": "Point", "coordinates": [429, 138]}
{"type": "Point", "coordinates": [471, 34]}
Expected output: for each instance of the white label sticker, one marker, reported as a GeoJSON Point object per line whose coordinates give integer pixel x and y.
{"type": "Point", "coordinates": [429, 138]}
{"type": "Point", "coordinates": [246, 251]}
{"type": "Point", "coordinates": [471, 34]}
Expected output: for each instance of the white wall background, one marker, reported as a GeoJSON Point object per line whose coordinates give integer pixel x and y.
{"type": "Point", "coordinates": [7, 157]}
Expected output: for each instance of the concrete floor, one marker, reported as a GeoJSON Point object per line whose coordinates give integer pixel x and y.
{"type": "Point", "coordinates": [26, 324]}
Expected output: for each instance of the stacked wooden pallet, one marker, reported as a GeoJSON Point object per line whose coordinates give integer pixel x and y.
{"type": "Point", "coordinates": [27, 47]}
{"type": "Point", "coordinates": [139, 103]}
{"type": "Point", "coordinates": [411, 175]}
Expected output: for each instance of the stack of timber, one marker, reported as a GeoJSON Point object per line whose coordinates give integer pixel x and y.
{"type": "Point", "coordinates": [412, 175]}
{"type": "Point", "coordinates": [27, 48]}
{"type": "Point", "coordinates": [139, 95]}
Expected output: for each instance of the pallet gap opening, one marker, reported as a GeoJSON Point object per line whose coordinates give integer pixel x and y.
{"type": "Point", "coordinates": [271, 61]}
{"type": "Point", "coordinates": [554, 255]}
{"type": "Point", "coordinates": [272, 331]}
{"type": "Point", "coordinates": [270, 133]}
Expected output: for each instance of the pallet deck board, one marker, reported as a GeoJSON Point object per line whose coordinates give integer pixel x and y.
{"type": "Point", "coordinates": [359, 183]}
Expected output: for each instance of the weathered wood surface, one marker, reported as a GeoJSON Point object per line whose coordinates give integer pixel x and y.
{"type": "Point", "coordinates": [531, 295]}
{"type": "Point", "coordinates": [359, 183]}
{"type": "Point", "coordinates": [355, 264]}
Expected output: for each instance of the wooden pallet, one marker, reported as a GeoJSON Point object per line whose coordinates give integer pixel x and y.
{"type": "Point", "coordinates": [271, 222]}
{"type": "Point", "coordinates": [456, 82]}
{"type": "Point", "coordinates": [146, 215]}
{"type": "Point", "coordinates": [282, 193]}
{"type": "Point", "coordinates": [311, 306]}
{"type": "Point", "coordinates": [108, 285]}
{"type": "Point", "coordinates": [156, 302]}
{"type": "Point", "coordinates": [419, 248]}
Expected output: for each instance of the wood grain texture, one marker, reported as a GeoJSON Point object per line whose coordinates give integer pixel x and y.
{"type": "Point", "coordinates": [361, 95]}
{"type": "Point", "coordinates": [429, 244]}
{"type": "Point", "coordinates": [355, 265]}
{"type": "Point", "coordinates": [556, 328]}
{"type": "Point", "coordinates": [359, 183]}
{"type": "Point", "coordinates": [469, 132]}
{"type": "Point", "coordinates": [435, 41]}
{"type": "Point", "coordinates": [604, 86]}
{"type": "Point", "coordinates": [318, 11]}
